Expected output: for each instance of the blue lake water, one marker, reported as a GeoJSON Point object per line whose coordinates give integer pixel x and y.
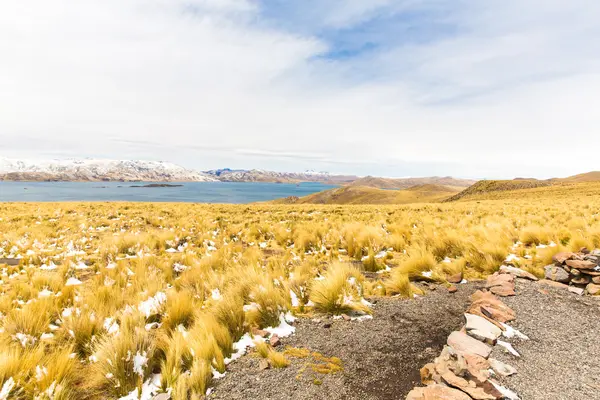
{"type": "Point", "coordinates": [190, 192]}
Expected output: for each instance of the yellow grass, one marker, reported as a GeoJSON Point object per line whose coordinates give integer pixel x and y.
{"type": "Point", "coordinates": [180, 283]}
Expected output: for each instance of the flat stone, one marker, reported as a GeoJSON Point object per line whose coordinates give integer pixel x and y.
{"type": "Point", "coordinates": [557, 285]}
{"type": "Point", "coordinates": [463, 343]}
{"type": "Point", "coordinates": [475, 322]}
{"type": "Point", "coordinates": [593, 289]}
{"type": "Point", "coordinates": [10, 261]}
{"type": "Point", "coordinates": [452, 289]}
{"type": "Point", "coordinates": [162, 396]}
{"type": "Point", "coordinates": [437, 392]}
{"type": "Point", "coordinates": [501, 368]}
{"type": "Point", "coordinates": [575, 272]}
{"type": "Point", "coordinates": [562, 257]}
{"type": "Point", "coordinates": [499, 280]}
{"type": "Point", "coordinates": [596, 279]}
{"type": "Point", "coordinates": [487, 305]}
{"type": "Point", "coordinates": [581, 280]}
{"type": "Point", "coordinates": [581, 264]}
{"type": "Point", "coordinates": [518, 272]}
{"type": "Point", "coordinates": [556, 274]}
{"type": "Point", "coordinates": [576, 290]}
{"type": "Point", "coordinates": [591, 272]}
{"type": "Point", "coordinates": [505, 290]}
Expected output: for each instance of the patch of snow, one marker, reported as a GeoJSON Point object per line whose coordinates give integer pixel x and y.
{"type": "Point", "coordinates": [283, 330]}
{"type": "Point", "coordinates": [295, 301]}
{"type": "Point", "coordinates": [73, 282]}
{"type": "Point", "coordinates": [427, 274]}
{"type": "Point", "coordinates": [139, 362]}
{"type": "Point", "coordinates": [216, 374]}
{"type": "Point", "coordinates": [381, 254]}
{"type": "Point", "coordinates": [239, 348]}
{"type": "Point", "coordinates": [511, 257]}
{"type": "Point", "coordinates": [45, 293]}
{"type": "Point", "coordinates": [509, 348]}
{"type": "Point", "coordinates": [511, 332]}
{"type": "Point", "coordinates": [507, 393]}
{"type": "Point", "coordinates": [8, 385]}
{"type": "Point", "coordinates": [215, 294]}
{"type": "Point", "coordinates": [153, 304]}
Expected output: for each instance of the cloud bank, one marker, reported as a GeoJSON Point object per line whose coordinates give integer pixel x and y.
{"type": "Point", "coordinates": [394, 88]}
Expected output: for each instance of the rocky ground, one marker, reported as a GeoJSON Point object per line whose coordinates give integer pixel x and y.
{"type": "Point", "coordinates": [381, 357]}
{"type": "Point", "coordinates": [561, 359]}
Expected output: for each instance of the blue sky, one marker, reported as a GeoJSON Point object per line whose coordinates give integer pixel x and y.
{"type": "Point", "coordinates": [381, 87]}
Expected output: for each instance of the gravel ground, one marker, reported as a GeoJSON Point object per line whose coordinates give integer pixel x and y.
{"type": "Point", "coordinates": [381, 357]}
{"type": "Point", "coordinates": [561, 361]}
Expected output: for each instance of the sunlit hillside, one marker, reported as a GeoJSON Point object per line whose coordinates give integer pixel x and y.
{"type": "Point", "coordinates": [109, 298]}
{"type": "Point", "coordinates": [369, 195]}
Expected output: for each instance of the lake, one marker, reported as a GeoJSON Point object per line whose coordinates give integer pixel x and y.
{"type": "Point", "coordinates": [190, 192]}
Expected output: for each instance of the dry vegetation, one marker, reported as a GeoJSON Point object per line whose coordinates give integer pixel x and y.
{"type": "Point", "coordinates": [427, 193]}
{"type": "Point", "coordinates": [112, 298]}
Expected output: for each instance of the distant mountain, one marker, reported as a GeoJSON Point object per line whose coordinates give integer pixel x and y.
{"type": "Point", "coordinates": [405, 183]}
{"type": "Point", "coordinates": [97, 170]}
{"type": "Point", "coordinates": [258, 175]}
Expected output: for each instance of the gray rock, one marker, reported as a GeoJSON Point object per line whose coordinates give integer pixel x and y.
{"type": "Point", "coordinates": [518, 272]}
{"type": "Point", "coordinates": [556, 274]}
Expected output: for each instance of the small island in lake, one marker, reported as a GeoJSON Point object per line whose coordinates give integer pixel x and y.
{"type": "Point", "coordinates": [155, 185]}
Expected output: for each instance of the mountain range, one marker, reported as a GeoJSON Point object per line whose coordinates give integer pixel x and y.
{"type": "Point", "coordinates": [159, 171]}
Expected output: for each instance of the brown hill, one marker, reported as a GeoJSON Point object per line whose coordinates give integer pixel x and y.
{"type": "Point", "coordinates": [368, 195]}
{"type": "Point", "coordinates": [405, 183]}
{"type": "Point", "coordinates": [486, 186]}
{"type": "Point", "coordinates": [593, 176]}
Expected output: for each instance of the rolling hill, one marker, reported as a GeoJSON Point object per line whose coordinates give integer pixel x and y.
{"type": "Point", "coordinates": [367, 195]}
{"type": "Point", "coordinates": [488, 189]}
{"type": "Point", "coordinates": [487, 186]}
{"type": "Point", "coordinates": [593, 176]}
{"type": "Point", "coordinates": [405, 183]}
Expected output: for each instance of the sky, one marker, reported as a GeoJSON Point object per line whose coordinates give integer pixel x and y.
{"type": "Point", "coordinates": [474, 89]}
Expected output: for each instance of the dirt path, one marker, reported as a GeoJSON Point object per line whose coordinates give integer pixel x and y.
{"type": "Point", "coordinates": [561, 360]}
{"type": "Point", "coordinates": [381, 357]}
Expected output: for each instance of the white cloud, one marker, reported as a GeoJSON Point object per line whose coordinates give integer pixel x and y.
{"type": "Point", "coordinates": [512, 90]}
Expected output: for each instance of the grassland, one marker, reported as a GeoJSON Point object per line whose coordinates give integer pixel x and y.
{"type": "Point", "coordinates": [110, 298]}
{"type": "Point", "coordinates": [428, 193]}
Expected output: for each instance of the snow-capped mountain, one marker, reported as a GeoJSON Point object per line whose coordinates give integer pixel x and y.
{"type": "Point", "coordinates": [258, 175]}
{"type": "Point", "coordinates": [98, 170]}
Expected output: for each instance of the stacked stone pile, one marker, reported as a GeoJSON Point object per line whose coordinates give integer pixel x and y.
{"type": "Point", "coordinates": [464, 369]}
{"type": "Point", "coordinates": [578, 272]}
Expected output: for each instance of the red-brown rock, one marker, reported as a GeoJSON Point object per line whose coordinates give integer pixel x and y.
{"type": "Point", "coordinates": [456, 278]}
{"type": "Point", "coordinates": [562, 257]}
{"type": "Point", "coordinates": [581, 264]}
{"type": "Point", "coordinates": [437, 392]}
{"type": "Point", "coordinates": [505, 290]}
